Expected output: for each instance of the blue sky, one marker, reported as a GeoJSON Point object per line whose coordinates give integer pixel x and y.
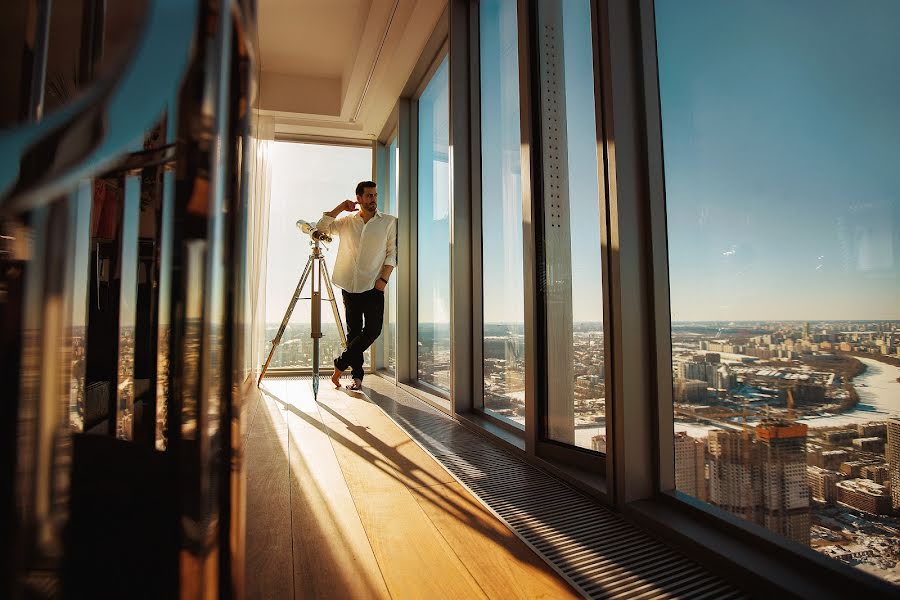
{"type": "Point", "coordinates": [780, 128]}
{"type": "Point", "coordinates": [782, 164]}
{"type": "Point", "coordinates": [501, 168]}
{"type": "Point", "coordinates": [434, 199]}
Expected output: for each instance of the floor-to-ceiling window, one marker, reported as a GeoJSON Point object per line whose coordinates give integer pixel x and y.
{"type": "Point", "coordinates": [503, 301]}
{"type": "Point", "coordinates": [307, 180]}
{"type": "Point", "coordinates": [389, 199]}
{"type": "Point", "coordinates": [571, 284]}
{"type": "Point", "coordinates": [780, 124]}
{"type": "Point", "coordinates": [433, 232]}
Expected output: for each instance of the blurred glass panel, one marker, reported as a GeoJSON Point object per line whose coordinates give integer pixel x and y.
{"type": "Point", "coordinates": [307, 180]}
{"type": "Point", "coordinates": [780, 125]}
{"type": "Point", "coordinates": [80, 206]}
{"type": "Point", "coordinates": [503, 300]}
{"type": "Point", "coordinates": [17, 49]}
{"type": "Point", "coordinates": [433, 238]}
{"type": "Point", "coordinates": [87, 39]}
{"type": "Point", "coordinates": [127, 307]}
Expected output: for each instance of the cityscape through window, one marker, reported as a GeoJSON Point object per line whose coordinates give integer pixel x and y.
{"type": "Point", "coordinates": [780, 124]}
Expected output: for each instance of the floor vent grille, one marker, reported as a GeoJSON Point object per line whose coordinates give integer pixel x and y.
{"type": "Point", "coordinates": [596, 550]}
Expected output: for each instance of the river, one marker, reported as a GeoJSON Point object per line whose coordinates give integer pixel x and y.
{"type": "Point", "coordinates": [879, 397]}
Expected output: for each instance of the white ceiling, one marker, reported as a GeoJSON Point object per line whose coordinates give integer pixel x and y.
{"type": "Point", "coordinates": [336, 67]}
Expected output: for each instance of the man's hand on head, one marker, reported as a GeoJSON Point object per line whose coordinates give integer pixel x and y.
{"type": "Point", "coordinates": [347, 205]}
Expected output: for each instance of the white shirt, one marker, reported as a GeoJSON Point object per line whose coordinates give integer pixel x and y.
{"type": "Point", "coordinates": [364, 248]}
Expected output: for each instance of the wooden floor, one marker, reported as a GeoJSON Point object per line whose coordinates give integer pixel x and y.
{"type": "Point", "coordinates": [341, 503]}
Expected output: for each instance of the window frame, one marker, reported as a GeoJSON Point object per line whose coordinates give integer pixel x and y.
{"type": "Point", "coordinates": [381, 165]}
{"type": "Point", "coordinates": [585, 460]}
{"type": "Point", "coordinates": [282, 135]}
{"type": "Point", "coordinates": [750, 551]}
{"type": "Point", "coordinates": [431, 393]}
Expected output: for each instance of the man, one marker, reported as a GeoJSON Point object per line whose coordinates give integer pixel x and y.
{"type": "Point", "coordinates": [366, 257]}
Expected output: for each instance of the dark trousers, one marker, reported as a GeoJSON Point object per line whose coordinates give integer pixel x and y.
{"type": "Point", "coordinates": [365, 314]}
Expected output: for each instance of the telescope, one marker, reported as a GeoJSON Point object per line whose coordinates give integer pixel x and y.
{"type": "Point", "coordinates": [316, 271]}
{"type": "Point", "coordinates": [310, 230]}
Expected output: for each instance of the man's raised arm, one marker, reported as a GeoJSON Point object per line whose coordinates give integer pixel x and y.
{"type": "Point", "coordinates": [326, 223]}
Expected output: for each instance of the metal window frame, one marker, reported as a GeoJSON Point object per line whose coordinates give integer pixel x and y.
{"type": "Point", "coordinates": [532, 174]}
{"type": "Point", "coordinates": [411, 360]}
{"type": "Point", "coordinates": [752, 553]}
{"type": "Point", "coordinates": [390, 133]}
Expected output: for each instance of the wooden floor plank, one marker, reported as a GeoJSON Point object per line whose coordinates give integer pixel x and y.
{"type": "Point", "coordinates": [502, 564]}
{"type": "Point", "coordinates": [415, 559]}
{"type": "Point", "coordinates": [268, 540]}
{"type": "Point", "coordinates": [332, 556]}
{"type": "Point", "coordinates": [368, 427]}
{"type": "Point", "coordinates": [343, 504]}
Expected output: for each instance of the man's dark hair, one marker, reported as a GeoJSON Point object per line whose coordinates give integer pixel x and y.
{"type": "Point", "coordinates": [362, 185]}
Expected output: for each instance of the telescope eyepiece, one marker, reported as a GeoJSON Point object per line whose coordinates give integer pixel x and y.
{"type": "Point", "coordinates": [310, 230]}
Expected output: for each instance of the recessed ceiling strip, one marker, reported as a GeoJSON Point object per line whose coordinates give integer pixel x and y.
{"type": "Point", "coordinates": [375, 62]}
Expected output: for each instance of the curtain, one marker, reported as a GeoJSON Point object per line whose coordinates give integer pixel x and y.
{"type": "Point", "coordinates": [258, 235]}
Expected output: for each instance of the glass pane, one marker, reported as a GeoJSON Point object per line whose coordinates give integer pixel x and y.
{"type": "Point", "coordinates": [501, 212]}
{"type": "Point", "coordinates": [390, 334]}
{"type": "Point", "coordinates": [575, 412]}
{"type": "Point", "coordinates": [433, 238]}
{"type": "Point", "coordinates": [127, 301]}
{"type": "Point", "coordinates": [780, 126]}
{"type": "Point", "coordinates": [307, 180]}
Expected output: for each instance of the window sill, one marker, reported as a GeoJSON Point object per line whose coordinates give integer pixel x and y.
{"type": "Point", "coordinates": [438, 402]}
{"type": "Point", "coordinates": [487, 427]}
{"type": "Point", "coordinates": [749, 554]}
{"type": "Point", "coordinates": [590, 482]}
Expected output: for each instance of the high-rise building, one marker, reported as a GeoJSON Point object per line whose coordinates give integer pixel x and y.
{"type": "Point", "coordinates": [690, 465]}
{"type": "Point", "coordinates": [733, 484]}
{"type": "Point", "coordinates": [785, 492]}
{"type": "Point", "coordinates": [892, 454]}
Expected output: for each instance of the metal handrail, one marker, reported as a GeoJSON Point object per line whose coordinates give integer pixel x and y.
{"type": "Point", "coordinates": [82, 139]}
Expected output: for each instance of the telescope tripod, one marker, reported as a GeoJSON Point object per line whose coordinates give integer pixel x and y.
{"type": "Point", "coordinates": [316, 268]}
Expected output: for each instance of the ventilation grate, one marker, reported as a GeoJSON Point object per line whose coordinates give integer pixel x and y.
{"type": "Point", "coordinates": [600, 553]}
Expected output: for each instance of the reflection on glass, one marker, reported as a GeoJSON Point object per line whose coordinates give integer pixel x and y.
{"type": "Point", "coordinates": [118, 23]}
{"type": "Point", "coordinates": [501, 213]}
{"type": "Point", "coordinates": [127, 303]}
{"type": "Point", "coordinates": [434, 232]}
{"type": "Point", "coordinates": [80, 207]}
{"type": "Point", "coordinates": [575, 412]}
{"type": "Point", "coordinates": [783, 221]}
{"type": "Point", "coordinates": [307, 180]}
{"type": "Point", "coordinates": [165, 313]}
